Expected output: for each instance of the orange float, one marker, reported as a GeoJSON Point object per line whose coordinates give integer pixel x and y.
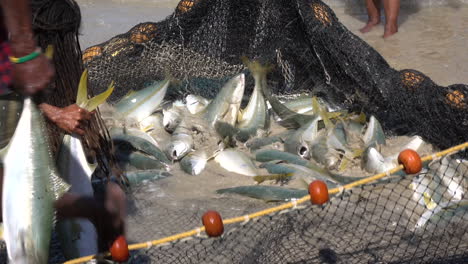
{"type": "Point", "coordinates": [410, 160]}
{"type": "Point", "coordinates": [213, 223]}
{"type": "Point", "coordinates": [119, 250]}
{"type": "Point", "coordinates": [318, 191]}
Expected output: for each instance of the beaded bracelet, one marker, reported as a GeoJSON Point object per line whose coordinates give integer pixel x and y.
{"type": "Point", "coordinates": [26, 58]}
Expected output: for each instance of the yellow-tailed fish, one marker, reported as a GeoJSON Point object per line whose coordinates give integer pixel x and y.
{"type": "Point", "coordinates": [30, 186]}
{"type": "Point", "coordinates": [78, 237]}
{"type": "Point", "coordinates": [141, 104]}
{"type": "Point", "coordinates": [255, 115]}
{"type": "Point", "coordinates": [225, 106]}
{"type": "Point", "coordinates": [236, 161]}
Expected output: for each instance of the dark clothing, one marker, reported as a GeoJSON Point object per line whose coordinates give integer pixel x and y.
{"type": "Point", "coordinates": [6, 75]}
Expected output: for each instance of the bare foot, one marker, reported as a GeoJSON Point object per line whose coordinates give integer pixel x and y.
{"type": "Point", "coordinates": [390, 30]}
{"type": "Point", "coordinates": [368, 27]}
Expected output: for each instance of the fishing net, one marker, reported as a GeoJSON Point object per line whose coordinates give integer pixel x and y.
{"type": "Point", "coordinates": [57, 23]}
{"type": "Point", "coordinates": [404, 220]}
{"type": "Point", "coordinates": [202, 42]}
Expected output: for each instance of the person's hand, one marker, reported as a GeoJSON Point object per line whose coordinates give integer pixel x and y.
{"type": "Point", "coordinates": [32, 76]}
{"type": "Point", "coordinates": [72, 118]}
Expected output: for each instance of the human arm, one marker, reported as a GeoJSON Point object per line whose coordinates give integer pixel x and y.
{"type": "Point", "coordinates": [71, 118]}
{"type": "Point", "coordinates": [34, 75]}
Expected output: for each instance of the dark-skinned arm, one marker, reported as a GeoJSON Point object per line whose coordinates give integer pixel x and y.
{"type": "Point", "coordinates": [72, 119]}
{"type": "Point", "coordinates": [34, 75]}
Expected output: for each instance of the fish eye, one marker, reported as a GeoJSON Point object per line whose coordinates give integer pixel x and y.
{"type": "Point", "coordinates": [303, 150]}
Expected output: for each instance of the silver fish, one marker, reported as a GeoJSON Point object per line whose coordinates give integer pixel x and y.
{"type": "Point", "coordinates": [139, 143]}
{"type": "Point", "coordinates": [374, 134]}
{"type": "Point", "coordinates": [131, 160]}
{"type": "Point", "coordinates": [181, 142]}
{"type": "Point", "coordinates": [225, 106]}
{"type": "Point", "coordinates": [373, 162]}
{"type": "Point", "coordinates": [255, 115]}
{"type": "Point", "coordinates": [323, 154]}
{"type": "Point", "coordinates": [140, 104]}
{"type": "Point", "coordinates": [194, 163]}
{"type": "Point", "coordinates": [173, 116]}
{"type": "Point", "coordinates": [196, 103]}
{"type": "Point", "coordinates": [266, 193]}
{"type": "Point", "coordinates": [236, 161]}
{"type": "Point", "coordinates": [299, 142]}
{"type": "Point", "coordinates": [153, 126]}
{"type": "Point", "coordinates": [30, 187]}
{"type": "Point", "coordinates": [78, 236]}
{"type": "Point", "coordinates": [444, 211]}
{"type": "Point", "coordinates": [137, 177]}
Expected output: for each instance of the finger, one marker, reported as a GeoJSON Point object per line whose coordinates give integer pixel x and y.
{"type": "Point", "coordinates": [79, 131]}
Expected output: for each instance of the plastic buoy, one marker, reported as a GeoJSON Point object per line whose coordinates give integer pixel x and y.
{"type": "Point", "coordinates": [411, 161]}
{"type": "Point", "coordinates": [318, 191]}
{"type": "Point", "coordinates": [213, 223]}
{"type": "Point", "coordinates": [119, 250]}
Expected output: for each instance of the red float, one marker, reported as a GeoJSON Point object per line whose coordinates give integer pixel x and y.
{"type": "Point", "coordinates": [119, 250]}
{"type": "Point", "coordinates": [318, 191]}
{"type": "Point", "coordinates": [213, 223]}
{"type": "Point", "coordinates": [410, 160]}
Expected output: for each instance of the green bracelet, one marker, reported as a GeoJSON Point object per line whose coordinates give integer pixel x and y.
{"type": "Point", "coordinates": [26, 58]}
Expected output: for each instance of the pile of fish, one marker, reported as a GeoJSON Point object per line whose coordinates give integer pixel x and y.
{"type": "Point", "coordinates": [270, 139]}
{"type": "Point", "coordinates": [303, 137]}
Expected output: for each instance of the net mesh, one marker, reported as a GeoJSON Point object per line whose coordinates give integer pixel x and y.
{"type": "Point", "coordinates": [202, 43]}
{"type": "Point", "coordinates": [371, 223]}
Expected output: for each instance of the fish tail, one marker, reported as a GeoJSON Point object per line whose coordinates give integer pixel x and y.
{"type": "Point", "coordinates": [82, 96]}
{"type": "Point", "coordinates": [256, 67]}
{"type": "Point", "coordinates": [348, 157]}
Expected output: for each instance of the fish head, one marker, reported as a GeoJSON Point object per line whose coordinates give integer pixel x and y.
{"type": "Point", "coordinates": [171, 119]}
{"type": "Point", "coordinates": [178, 149]}
{"type": "Point", "coordinates": [238, 91]}
{"type": "Point", "coordinates": [303, 150]}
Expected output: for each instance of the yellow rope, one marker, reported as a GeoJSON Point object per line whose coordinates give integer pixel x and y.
{"type": "Point", "coordinates": [270, 210]}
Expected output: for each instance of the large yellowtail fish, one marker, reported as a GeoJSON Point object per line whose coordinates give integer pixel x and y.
{"type": "Point", "coordinates": [78, 237]}
{"type": "Point", "coordinates": [30, 186]}
{"type": "Point", "coordinates": [255, 115]}
{"type": "Point", "coordinates": [141, 104]}
{"type": "Point", "coordinates": [225, 106]}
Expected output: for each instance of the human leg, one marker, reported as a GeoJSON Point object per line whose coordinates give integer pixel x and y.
{"type": "Point", "coordinates": [373, 11]}
{"type": "Point", "coordinates": [392, 8]}
{"type": "Point", "coordinates": [107, 212]}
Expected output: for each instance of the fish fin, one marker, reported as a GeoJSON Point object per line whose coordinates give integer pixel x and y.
{"type": "Point", "coordinates": [256, 67]}
{"type": "Point", "coordinates": [129, 93]}
{"type": "Point", "coordinates": [321, 112]}
{"type": "Point", "coordinates": [97, 100]}
{"type": "Point", "coordinates": [59, 186]}
{"type": "Point", "coordinates": [147, 128]}
{"type": "Point", "coordinates": [278, 177]}
{"type": "Point", "coordinates": [82, 95]}
{"type": "Point", "coordinates": [348, 157]}
{"type": "Point", "coordinates": [361, 118]}
{"type": "Point", "coordinates": [430, 204]}
{"type": "Point", "coordinates": [49, 52]}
